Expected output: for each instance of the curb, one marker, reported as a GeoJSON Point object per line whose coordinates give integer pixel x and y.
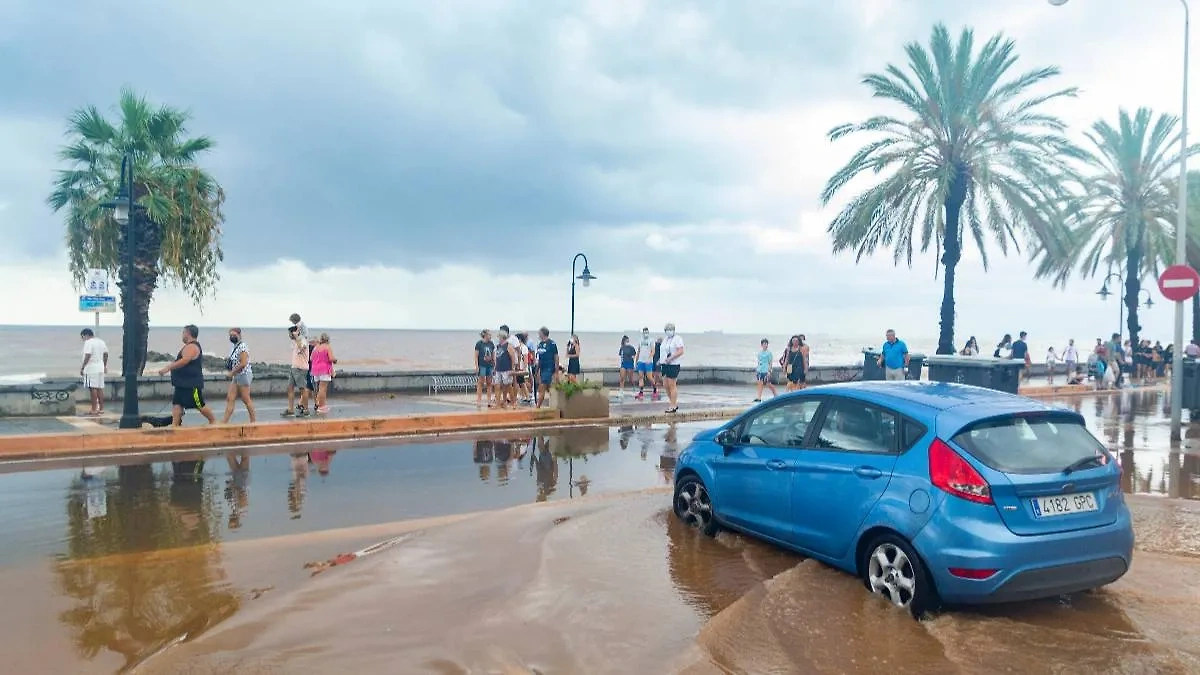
{"type": "Point", "coordinates": [119, 442]}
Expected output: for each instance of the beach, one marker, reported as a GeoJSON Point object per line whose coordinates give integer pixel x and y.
{"type": "Point", "coordinates": [54, 351]}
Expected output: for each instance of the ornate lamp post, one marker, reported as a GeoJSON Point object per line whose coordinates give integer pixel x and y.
{"type": "Point", "coordinates": [125, 212]}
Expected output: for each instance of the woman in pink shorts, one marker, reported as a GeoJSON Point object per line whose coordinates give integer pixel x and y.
{"type": "Point", "coordinates": [322, 370]}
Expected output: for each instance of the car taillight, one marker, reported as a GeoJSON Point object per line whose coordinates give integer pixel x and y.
{"type": "Point", "coordinates": [972, 573]}
{"type": "Point", "coordinates": [951, 473]}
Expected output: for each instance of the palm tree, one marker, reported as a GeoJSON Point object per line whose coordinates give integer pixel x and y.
{"type": "Point", "coordinates": [1124, 212]}
{"type": "Point", "coordinates": [178, 234]}
{"type": "Point", "coordinates": [972, 157]}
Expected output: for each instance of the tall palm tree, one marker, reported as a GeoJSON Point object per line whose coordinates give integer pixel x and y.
{"type": "Point", "coordinates": [179, 232]}
{"type": "Point", "coordinates": [1124, 213]}
{"type": "Point", "coordinates": [972, 157]}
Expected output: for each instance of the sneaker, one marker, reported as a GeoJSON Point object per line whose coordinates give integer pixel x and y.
{"type": "Point", "coordinates": [640, 395]}
{"type": "Point", "coordinates": [324, 410]}
{"type": "Point", "coordinates": [289, 413]}
{"type": "Point", "coordinates": [302, 411]}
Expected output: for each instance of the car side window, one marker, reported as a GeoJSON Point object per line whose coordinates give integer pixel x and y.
{"type": "Point", "coordinates": [913, 431]}
{"type": "Point", "coordinates": [855, 426]}
{"type": "Point", "coordinates": [781, 426]}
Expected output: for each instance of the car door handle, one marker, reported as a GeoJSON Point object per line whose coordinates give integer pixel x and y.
{"type": "Point", "coordinates": [868, 472]}
{"type": "Point", "coordinates": [776, 464]}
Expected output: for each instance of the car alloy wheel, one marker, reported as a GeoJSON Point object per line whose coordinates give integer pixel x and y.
{"type": "Point", "coordinates": [893, 571]}
{"type": "Point", "coordinates": [693, 505]}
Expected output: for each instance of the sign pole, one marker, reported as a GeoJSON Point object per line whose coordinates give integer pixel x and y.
{"type": "Point", "coordinates": [1178, 283]}
{"type": "Point", "coordinates": [97, 318]}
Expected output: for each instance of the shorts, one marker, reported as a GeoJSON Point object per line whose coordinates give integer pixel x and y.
{"type": "Point", "coordinates": [670, 371]}
{"type": "Point", "coordinates": [763, 377]}
{"type": "Point", "coordinates": [93, 380]}
{"type": "Point", "coordinates": [546, 376]}
{"type": "Point", "coordinates": [643, 367]}
{"type": "Point", "coordinates": [243, 379]}
{"type": "Point", "coordinates": [188, 398]}
{"type": "Point", "coordinates": [503, 379]}
{"type": "Point", "coordinates": [323, 378]}
{"type": "Point", "coordinates": [297, 377]}
{"type": "Point", "coordinates": [627, 365]}
{"type": "Point", "coordinates": [796, 376]}
{"type": "Point", "coordinates": [894, 373]}
{"type": "Point", "coordinates": [486, 371]}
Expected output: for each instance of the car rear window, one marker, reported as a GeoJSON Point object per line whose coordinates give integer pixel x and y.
{"type": "Point", "coordinates": [1028, 444]}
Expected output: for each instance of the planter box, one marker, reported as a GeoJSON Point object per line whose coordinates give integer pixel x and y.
{"type": "Point", "coordinates": [586, 404]}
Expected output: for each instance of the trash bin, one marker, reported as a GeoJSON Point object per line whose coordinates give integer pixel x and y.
{"type": "Point", "coordinates": [989, 373]}
{"type": "Point", "coordinates": [915, 362]}
{"type": "Point", "coordinates": [871, 368]}
{"type": "Point", "coordinates": [1191, 384]}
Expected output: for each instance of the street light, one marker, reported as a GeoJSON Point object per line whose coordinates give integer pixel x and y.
{"type": "Point", "coordinates": [1149, 301]}
{"type": "Point", "coordinates": [585, 276]}
{"type": "Point", "coordinates": [125, 211]}
{"type": "Point", "coordinates": [1180, 233]}
{"type": "Point", "coordinates": [1104, 293]}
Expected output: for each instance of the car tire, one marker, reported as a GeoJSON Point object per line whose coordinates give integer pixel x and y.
{"type": "Point", "coordinates": [693, 505]}
{"type": "Point", "coordinates": [892, 570]}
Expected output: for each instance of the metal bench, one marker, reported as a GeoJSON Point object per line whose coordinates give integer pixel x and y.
{"type": "Point", "coordinates": [439, 383]}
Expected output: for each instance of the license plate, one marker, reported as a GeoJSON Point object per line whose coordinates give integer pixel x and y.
{"type": "Point", "coordinates": [1062, 505]}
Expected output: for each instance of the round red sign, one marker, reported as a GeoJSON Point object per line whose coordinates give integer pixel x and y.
{"type": "Point", "coordinates": [1178, 283]}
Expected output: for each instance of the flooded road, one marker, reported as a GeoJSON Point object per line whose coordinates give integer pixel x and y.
{"type": "Point", "coordinates": [199, 562]}
{"type": "Point", "coordinates": [616, 585]}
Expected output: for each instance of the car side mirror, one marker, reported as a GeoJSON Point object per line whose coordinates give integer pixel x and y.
{"type": "Point", "coordinates": [725, 439]}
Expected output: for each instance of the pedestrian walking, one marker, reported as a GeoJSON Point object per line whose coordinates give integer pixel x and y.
{"type": "Point", "coordinates": [241, 374]}
{"type": "Point", "coordinates": [573, 354]}
{"type": "Point", "coordinates": [1051, 364]}
{"type": "Point", "coordinates": [672, 357]}
{"type": "Point", "coordinates": [309, 382]}
{"type": "Point", "coordinates": [93, 369]}
{"type": "Point", "coordinates": [1071, 359]}
{"type": "Point", "coordinates": [657, 381]}
{"type": "Point", "coordinates": [1020, 351]}
{"type": "Point", "coordinates": [645, 362]}
{"type": "Point", "coordinates": [506, 361]}
{"type": "Point", "coordinates": [893, 357]}
{"type": "Point", "coordinates": [187, 378]}
{"type": "Point", "coordinates": [762, 373]}
{"type": "Point", "coordinates": [625, 355]}
{"type": "Point", "coordinates": [521, 369]}
{"type": "Point", "coordinates": [485, 368]}
{"type": "Point", "coordinates": [297, 373]}
{"type": "Point", "coordinates": [794, 366]}
{"type": "Point", "coordinates": [323, 361]}
{"type": "Point", "coordinates": [548, 364]}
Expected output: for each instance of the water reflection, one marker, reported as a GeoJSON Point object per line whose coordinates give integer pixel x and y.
{"type": "Point", "coordinates": [144, 569]}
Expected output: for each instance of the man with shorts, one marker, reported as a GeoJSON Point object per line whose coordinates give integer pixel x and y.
{"type": "Point", "coordinates": [894, 357]}
{"type": "Point", "coordinates": [298, 373]}
{"type": "Point", "coordinates": [645, 363]}
{"type": "Point", "coordinates": [672, 354]}
{"type": "Point", "coordinates": [485, 367]}
{"type": "Point", "coordinates": [187, 376]}
{"type": "Point", "coordinates": [547, 361]}
{"type": "Point", "coordinates": [93, 369]}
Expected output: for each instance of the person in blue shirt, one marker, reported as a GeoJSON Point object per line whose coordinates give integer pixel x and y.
{"type": "Point", "coordinates": [547, 364]}
{"type": "Point", "coordinates": [763, 372]}
{"type": "Point", "coordinates": [894, 358]}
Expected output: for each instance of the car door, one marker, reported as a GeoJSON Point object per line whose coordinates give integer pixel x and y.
{"type": "Point", "coordinates": [841, 473]}
{"type": "Point", "coordinates": [754, 477]}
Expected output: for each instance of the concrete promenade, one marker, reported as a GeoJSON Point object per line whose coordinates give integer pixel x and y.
{"type": "Point", "coordinates": [357, 416]}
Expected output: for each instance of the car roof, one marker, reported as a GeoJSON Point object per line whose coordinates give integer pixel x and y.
{"type": "Point", "coordinates": [964, 402]}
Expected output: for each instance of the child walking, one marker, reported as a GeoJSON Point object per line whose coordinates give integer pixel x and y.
{"type": "Point", "coordinates": [763, 372]}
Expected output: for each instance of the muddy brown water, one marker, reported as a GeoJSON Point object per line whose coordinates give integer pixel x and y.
{"type": "Point", "coordinates": [176, 567]}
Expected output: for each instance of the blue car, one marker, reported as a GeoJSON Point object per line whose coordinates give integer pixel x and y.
{"type": "Point", "coordinates": [930, 492]}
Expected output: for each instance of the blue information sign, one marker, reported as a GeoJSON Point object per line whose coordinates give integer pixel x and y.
{"type": "Point", "coordinates": [97, 303]}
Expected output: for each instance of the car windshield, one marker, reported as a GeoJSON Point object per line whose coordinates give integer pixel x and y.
{"type": "Point", "coordinates": [1029, 444]}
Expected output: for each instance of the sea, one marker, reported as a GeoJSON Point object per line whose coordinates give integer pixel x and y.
{"type": "Point", "coordinates": [34, 352]}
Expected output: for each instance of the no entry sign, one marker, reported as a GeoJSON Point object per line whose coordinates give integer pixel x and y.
{"type": "Point", "coordinates": [1178, 283]}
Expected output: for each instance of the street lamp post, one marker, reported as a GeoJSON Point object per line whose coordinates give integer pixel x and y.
{"type": "Point", "coordinates": [1104, 293]}
{"type": "Point", "coordinates": [585, 276]}
{"type": "Point", "coordinates": [1180, 234]}
{"type": "Point", "coordinates": [125, 212]}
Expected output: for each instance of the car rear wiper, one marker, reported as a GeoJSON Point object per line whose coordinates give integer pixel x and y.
{"type": "Point", "coordinates": [1080, 463]}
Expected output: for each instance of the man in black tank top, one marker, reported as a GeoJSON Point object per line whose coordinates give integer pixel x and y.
{"type": "Point", "coordinates": [187, 376]}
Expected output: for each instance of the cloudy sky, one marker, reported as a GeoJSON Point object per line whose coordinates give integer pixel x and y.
{"type": "Point", "coordinates": [437, 164]}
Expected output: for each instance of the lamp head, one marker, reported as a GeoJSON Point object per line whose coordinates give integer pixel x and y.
{"type": "Point", "coordinates": [586, 277]}
{"type": "Point", "coordinates": [1103, 292]}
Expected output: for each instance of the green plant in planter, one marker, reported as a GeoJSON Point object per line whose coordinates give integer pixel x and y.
{"type": "Point", "coordinates": [568, 388]}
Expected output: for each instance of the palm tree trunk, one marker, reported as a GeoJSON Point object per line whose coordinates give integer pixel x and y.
{"type": "Point", "coordinates": [1133, 286]}
{"type": "Point", "coordinates": [951, 254]}
{"type": "Point", "coordinates": [146, 257]}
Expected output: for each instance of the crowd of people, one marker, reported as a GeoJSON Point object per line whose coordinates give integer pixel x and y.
{"type": "Point", "coordinates": [310, 373]}
{"type": "Point", "coordinates": [514, 369]}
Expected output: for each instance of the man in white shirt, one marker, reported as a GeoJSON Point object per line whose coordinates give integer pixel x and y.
{"type": "Point", "coordinates": [672, 355]}
{"type": "Point", "coordinates": [1071, 358]}
{"type": "Point", "coordinates": [95, 365]}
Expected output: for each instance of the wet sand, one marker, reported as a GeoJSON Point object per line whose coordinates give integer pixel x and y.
{"type": "Point", "coordinates": [616, 585]}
